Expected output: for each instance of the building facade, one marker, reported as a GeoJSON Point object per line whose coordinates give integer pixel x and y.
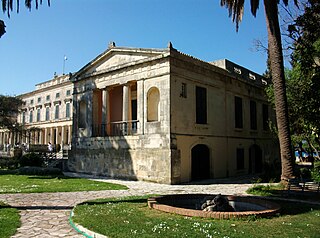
{"type": "Point", "coordinates": [46, 115]}
{"type": "Point", "coordinates": [161, 115]}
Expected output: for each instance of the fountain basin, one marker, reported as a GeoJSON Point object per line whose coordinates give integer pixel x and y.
{"type": "Point", "coordinates": [188, 205]}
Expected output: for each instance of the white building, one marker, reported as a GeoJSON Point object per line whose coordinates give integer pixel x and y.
{"type": "Point", "coordinates": [46, 114]}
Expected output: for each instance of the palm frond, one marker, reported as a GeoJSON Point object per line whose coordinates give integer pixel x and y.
{"type": "Point", "coordinates": [4, 5]}
{"type": "Point", "coordinates": [27, 3]}
{"type": "Point", "coordinates": [10, 5]}
{"type": "Point", "coordinates": [254, 6]}
{"type": "Point", "coordinates": [286, 2]}
{"type": "Point", "coordinates": [235, 8]}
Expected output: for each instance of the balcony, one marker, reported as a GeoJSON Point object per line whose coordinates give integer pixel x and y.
{"type": "Point", "coordinates": [121, 128]}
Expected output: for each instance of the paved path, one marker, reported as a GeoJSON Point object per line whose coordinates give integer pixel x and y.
{"type": "Point", "coordinates": [46, 214]}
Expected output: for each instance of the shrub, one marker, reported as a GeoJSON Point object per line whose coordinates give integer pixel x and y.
{"type": "Point", "coordinates": [39, 171]}
{"type": "Point", "coordinates": [305, 173]}
{"type": "Point", "coordinates": [31, 159]}
{"type": "Point", "coordinates": [315, 174]}
{"type": "Point", "coordinates": [9, 163]}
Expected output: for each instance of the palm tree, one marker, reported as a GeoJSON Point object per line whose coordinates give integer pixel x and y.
{"type": "Point", "coordinates": [235, 8]}
{"type": "Point", "coordinates": [7, 6]}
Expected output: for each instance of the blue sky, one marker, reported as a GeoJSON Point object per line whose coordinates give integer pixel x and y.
{"type": "Point", "coordinates": [35, 43]}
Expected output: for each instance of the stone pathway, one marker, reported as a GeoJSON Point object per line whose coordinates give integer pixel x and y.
{"type": "Point", "coordinates": [46, 214]}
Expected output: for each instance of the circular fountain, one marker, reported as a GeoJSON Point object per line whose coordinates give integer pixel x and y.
{"type": "Point", "coordinates": [190, 205]}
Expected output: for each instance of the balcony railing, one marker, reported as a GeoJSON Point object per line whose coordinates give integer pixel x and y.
{"type": "Point", "coordinates": [121, 128]}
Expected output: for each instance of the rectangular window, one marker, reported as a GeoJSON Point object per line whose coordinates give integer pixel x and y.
{"type": "Point", "coordinates": [39, 99]}
{"type": "Point", "coordinates": [47, 113]}
{"type": "Point", "coordinates": [253, 115]}
{"type": "Point", "coordinates": [201, 105]}
{"type": "Point", "coordinates": [183, 90]}
{"type": "Point", "coordinates": [48, 97]}
{"type": "Point", "coordinates": [238, 112]}
{"type": "Point", "coordinates": [67, 110]}
{"type": "Point", "coordinates": [68, 93]}
{"type": "Point", "coordinates": [265, 117]}
{"type": "Point", "coordinates": [38, 114]}
{"type": "Point", "coordinates": [31, 102]}
{"type": "Point", "coordinates": [57, 95]}
{"type": "Point", "coordinates": [56, 114]}
{"type": "Point", "coordinates": [240, 158]}
{"type": "Point", "coordinates": [30, 116]}
{"type": "Point", "coordinates": [23, 117]}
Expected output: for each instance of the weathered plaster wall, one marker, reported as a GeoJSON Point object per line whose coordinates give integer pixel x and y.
{"type": "Point", "coordinates": [219, 133]}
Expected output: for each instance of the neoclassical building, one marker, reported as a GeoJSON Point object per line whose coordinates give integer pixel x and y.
{"type": "Point", "coordinates": [46, 114]}
{"type": "Point", "coordinates": [161, 115]}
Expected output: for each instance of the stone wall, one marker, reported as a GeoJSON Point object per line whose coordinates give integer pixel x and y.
{"type": "Point", "coordinates": [129, 157]}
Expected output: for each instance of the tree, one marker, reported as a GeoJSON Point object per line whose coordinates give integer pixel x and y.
{"type": "Point", "coordinates": [304, 78]}
{"type": "Point", "coordinates": [235, 8]}
{"type": "Point", "coordinates": [9, 107]}
{"type": "Point", "coordinates": [7, 7]}
{"type": "Point", "coordinates": [305, 33]}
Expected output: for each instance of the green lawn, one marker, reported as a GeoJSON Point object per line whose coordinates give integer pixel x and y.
{"type": "Point", "coordinates": [9, 220]}
{"type": "Point", "coordinates": [130, 217]}
{"type": "Point", "coordinates": [41, 184]}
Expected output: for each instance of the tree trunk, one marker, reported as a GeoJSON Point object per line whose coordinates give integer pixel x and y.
{"type": "Point", "coordinates": [278, 78]}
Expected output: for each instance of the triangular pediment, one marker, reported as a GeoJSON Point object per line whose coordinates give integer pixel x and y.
{"type": "Point", "coordinates": [117, 57]}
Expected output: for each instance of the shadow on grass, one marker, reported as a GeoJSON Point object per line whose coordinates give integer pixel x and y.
{"type": "Point", "coordinates": [42, 207]}
{"type": "Point", "coordinates": [116, 201]}
{"type": "Point", "coordinates": [3, 205]}
{"type": "Point", "coordinates": [296, 208]}
{"type": "Point", "coordinates": [50, 177]}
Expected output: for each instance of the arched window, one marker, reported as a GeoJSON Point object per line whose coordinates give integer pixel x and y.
{"type": "Point", "coordinates": [153, 104]}
{"type": "Point", "coordinates": [82, 114]}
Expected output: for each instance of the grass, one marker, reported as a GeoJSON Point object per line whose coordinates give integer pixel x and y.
{"type": "Point", "coordinates": [130, 217]}
{"type": "Point", "coordinates": [40, 184]}
{"type": "Point", "coordinates": [265, 190]}
{"type": "Point", "coordinates": [9, 220]}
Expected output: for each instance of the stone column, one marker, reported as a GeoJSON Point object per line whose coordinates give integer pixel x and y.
{"type": "Point", "coordinates": [140, 106]}
{"type": "Point", "coordinates": [51, 135]}
{"type": "Point", "coordinates": [125, 103]}
{"type": "Point", "coordinates": [36, 136]}
{"type": "Point", "coordinates": [46, 135]}
{"type": "Point", "coordinates": [69, 134]}
{"type": "Point", "coordinates": [1, 138]}
{"type": "Point", "coordinates": [31, 140]}
{"type": "Point", "coordinates": [41, 136]}
{"type": "Point", "coordinates": [104, 105]}
{"type": "Point", "coordinates": [57, 135]}
{"type": "Point", "coordinates": [62, 136]}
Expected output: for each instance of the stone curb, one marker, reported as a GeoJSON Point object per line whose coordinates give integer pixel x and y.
{"type": "Point", "coordinates": [82, 230]}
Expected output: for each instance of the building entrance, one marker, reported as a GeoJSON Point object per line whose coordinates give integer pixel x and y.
{"type": "Point", "coordinates": [200, 162]}
{"type": "Point", "coordinates": [255, 159]}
